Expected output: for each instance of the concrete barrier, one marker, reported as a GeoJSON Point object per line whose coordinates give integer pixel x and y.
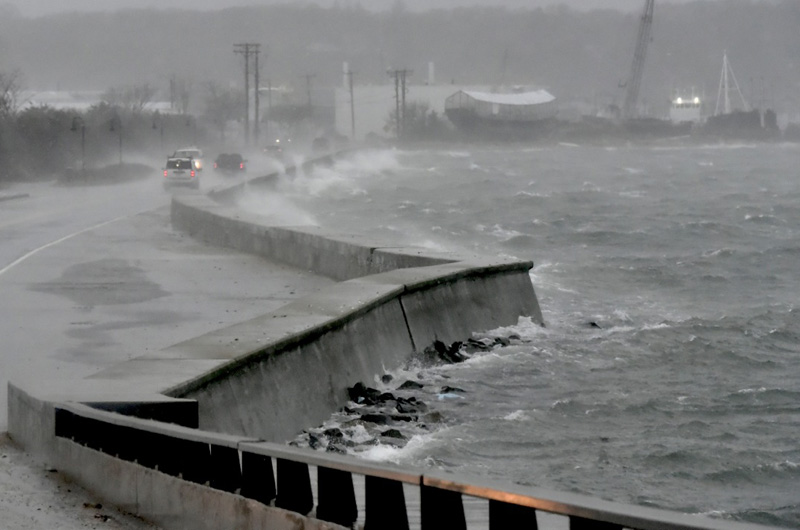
{"type": "Point", "coordinates": [401, 301]}
{"type": "Point", "coordinates": [323, 251]}
{"type": "Point", "coordinates": [270, 377]}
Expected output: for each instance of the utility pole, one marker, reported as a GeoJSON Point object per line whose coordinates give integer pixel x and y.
{"type": "Point", "coordinates": [400, 97]}
{"type": "Point", "coordinates": [352, 106]}
{"type": "Point", "coordinates": [309, 77]}
{"type": "Point", "coordinates": [403, 95]}
{"type": "Point", "coordinates": [397, 103]}
{"type": "Point", "coordinates": [172, 93]}
{"type": "Point", "coordinates": [247, 50]}
{"type": "Point", "coordinates": [256, 95]}
{"type": "Point", "coordinates": [269, 103]}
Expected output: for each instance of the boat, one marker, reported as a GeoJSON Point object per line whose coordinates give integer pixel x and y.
{"type": "Point", "coordinates": [686, 109]}
{"type": "Point", "coordinates": [733, 116]}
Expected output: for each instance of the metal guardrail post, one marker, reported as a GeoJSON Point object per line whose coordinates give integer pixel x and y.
{"type": "Point", "coordinates": [197, 458]}
{"type": "Point", "coordinates": [336, 497]}
{"type": "Point", "coordinates": [580, 523]}
{"type": "Point", "coordinates": [442, 509]}
{"type": "Point", "coordinates": [148, 448]}
{"type": "Point", "coordinates": [294, 487]}
{"type": "Point", "coordinates": [225, 472]}
{"type": "Point", "coordinates": [385, 504]}
{"type": "Point", "coordinates": [105, 439]}
{"type": "Point", "coordinates": [258, 479]}
{"type": "Point", "coordinates": [82, 431]}
{"type": "Point", "coordinates": [187, 459]}
{"type": "Point", "coordinates": [120, 445]}
{"type": "Point", "coordinates": [64, 424]}
{"type": "Point", "coordinates": [172, 461]}
{"type": "Point", "coordinates": [503, 515]}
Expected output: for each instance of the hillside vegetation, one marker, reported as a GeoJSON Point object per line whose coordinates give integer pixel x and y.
{"type": "Point", "coordinates": [575, 55]}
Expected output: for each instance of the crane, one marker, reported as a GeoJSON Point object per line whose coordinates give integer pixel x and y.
{"type": "Point", "coordinates": [629, 109]}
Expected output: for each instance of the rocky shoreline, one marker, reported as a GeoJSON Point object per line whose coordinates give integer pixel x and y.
{"type": "Point", "coordinates": [392, 416]}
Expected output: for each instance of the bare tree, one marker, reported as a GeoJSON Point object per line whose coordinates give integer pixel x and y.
{"type": "Point", "coordinates": [183, 92]}
{"type": "Point", "coordinates": [10, 92]}
{"type": "Point", "coordinates": [132, 98]}
{"type": "Point", "coordinates": [222, 105]}
{"type": "Point", "coordinates": [141, 96]}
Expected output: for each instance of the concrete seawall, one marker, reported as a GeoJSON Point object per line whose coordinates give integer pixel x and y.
{"type": "Point", "coordinates": [181, 437]}
{"type": "Point", "coordinates": [400, 301]}
{"type": "Point", "coordinates": [270, 377]}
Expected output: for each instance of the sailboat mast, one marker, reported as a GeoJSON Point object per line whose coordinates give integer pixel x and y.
{"type": "Point", "coordinates": [724, 93]}
{"type": "Point", "coordinates": [727, 85]}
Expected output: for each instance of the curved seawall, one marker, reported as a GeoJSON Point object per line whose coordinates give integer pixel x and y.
{"type": "Point", "coordinates": [296, 364]}
{"type": "Point", "coordinates": [270, 377]}
{"type": "Point", "coordinates": [273, 376]}
{"type": "Point", "coordinates": [182, 436]}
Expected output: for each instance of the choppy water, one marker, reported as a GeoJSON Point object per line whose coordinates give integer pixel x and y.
{"type": "Point", "coordinates": [687, 396]}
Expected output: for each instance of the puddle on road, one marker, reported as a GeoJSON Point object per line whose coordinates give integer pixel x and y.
{"type": "Point", "coordinates": [103, 282]}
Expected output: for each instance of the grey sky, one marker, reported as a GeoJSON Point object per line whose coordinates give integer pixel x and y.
{"type": "Point", "coordinates": [34, 8]}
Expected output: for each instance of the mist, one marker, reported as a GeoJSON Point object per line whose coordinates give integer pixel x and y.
{"type": "Point", "coordinates": [576, 55]}
{"type": "Point", "coordinates": [35, 8]}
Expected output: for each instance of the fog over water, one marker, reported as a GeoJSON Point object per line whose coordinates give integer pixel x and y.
{"type": "Point", "coordinates": [45, 7]}
{"type": "Point", "coordinates": [668, 372]}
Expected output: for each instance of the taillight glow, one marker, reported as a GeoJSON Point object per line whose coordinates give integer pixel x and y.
{"type": "Point", "coordinates": [193, 173]}
{"type": "Point", "coordinates": [165, 172]}
{"type": "Point", "coordinates": [241, 165]}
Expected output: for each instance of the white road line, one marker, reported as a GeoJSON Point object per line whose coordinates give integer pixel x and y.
{"type": "Point", "coordinates": [56, 242]}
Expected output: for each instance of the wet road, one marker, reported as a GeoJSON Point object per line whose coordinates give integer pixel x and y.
{"type": "Point", "coordinates": [90, 276]}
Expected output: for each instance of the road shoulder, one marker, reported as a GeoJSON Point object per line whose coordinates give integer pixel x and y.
{"type": "Point", "coordinates": [34, 496]}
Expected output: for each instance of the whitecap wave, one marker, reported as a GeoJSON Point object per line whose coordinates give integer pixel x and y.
{"type": "Point", "coordinates": [277, 208]}
{"type": "Point", "coordinates": [517, 415]}
{"type": "Point", "coordinates": [390, 453]}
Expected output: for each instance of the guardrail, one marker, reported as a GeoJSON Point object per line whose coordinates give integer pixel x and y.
{"type": "Point", "coordinates": [244, 467]}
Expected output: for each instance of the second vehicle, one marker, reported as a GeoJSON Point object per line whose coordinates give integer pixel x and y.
{"type": "Point", "coordinates": [230, 163]}
{"type": "Point", "coordinates": [194, 153]}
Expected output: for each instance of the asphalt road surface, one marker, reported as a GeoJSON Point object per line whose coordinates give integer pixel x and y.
{"type": "Point", "coordinates": [90, 276]}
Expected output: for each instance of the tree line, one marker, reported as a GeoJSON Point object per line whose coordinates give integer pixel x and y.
{"type": "Point", "coordinates": [186, 57]}
{"type": "Point", "coordinates": [575, 55]}
{"type": "Point", "coordinates": [39, 141]}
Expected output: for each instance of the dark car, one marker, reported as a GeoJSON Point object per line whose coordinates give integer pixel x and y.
{"type": "Point", "coordinates": [320, 144]}
{"type": "Point", "coordinates": [274, 150]}
{"type": "Point", "coordinates": [277, 148]}
{"type": "Point", "coordinates": [230, 163]}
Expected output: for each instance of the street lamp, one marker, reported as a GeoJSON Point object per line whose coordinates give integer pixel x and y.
{"type": "Point", "coordinates": [190, 122]}
{"type": "Point", "coordinates": [115, 125]}
{"type": "Point", "coordinates": [77, 122]}
{"type": "Point", "coordinates": [158, 123]}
